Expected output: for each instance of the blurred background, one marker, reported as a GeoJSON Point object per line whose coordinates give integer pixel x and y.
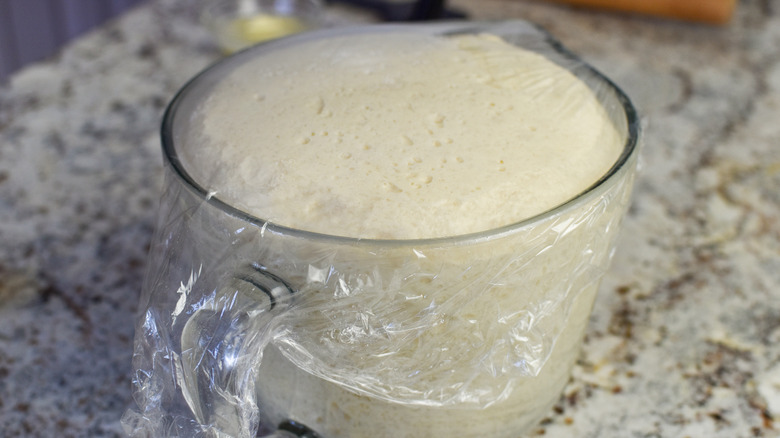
{"type": "Point", "coordinates": [31, 30]}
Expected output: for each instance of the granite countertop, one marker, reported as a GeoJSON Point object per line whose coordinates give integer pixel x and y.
{"type": "Point", "coordinates": [685, 335]}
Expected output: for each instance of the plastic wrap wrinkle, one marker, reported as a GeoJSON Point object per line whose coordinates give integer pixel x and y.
{"type": "Point", "coordinates": [183, 291]}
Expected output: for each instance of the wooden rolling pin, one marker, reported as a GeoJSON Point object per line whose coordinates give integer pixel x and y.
{"type": "Point", "coordinates": [705, 11]}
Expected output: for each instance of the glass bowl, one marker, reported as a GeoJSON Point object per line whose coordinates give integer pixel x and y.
{"type": "Point", "coordinates": [226, 342]}
{"type": "Point", "coordinates": [237, 24]}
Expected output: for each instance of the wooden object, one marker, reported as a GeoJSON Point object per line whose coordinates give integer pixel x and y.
{"type": "Point", "coordinates": [706, 11]}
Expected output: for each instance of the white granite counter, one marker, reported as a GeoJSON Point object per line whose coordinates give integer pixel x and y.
{"type": "Point", "coordinates": [685, 336]}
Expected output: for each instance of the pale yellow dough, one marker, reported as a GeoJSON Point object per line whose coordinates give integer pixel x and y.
{"type": "Point", "coordinates": [400, 136]}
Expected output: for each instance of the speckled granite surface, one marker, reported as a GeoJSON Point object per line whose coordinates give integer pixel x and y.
{"type": "Point", "coordinates": [685, 336]}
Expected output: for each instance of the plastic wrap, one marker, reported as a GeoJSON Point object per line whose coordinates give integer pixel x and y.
{"type": "Point", "coordinates": [245, 325]}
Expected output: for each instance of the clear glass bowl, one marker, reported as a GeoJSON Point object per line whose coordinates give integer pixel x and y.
{"type": "Point", "coordinates": [237, 24]}
{"type": "Point", "coordinates": [243, 321]}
